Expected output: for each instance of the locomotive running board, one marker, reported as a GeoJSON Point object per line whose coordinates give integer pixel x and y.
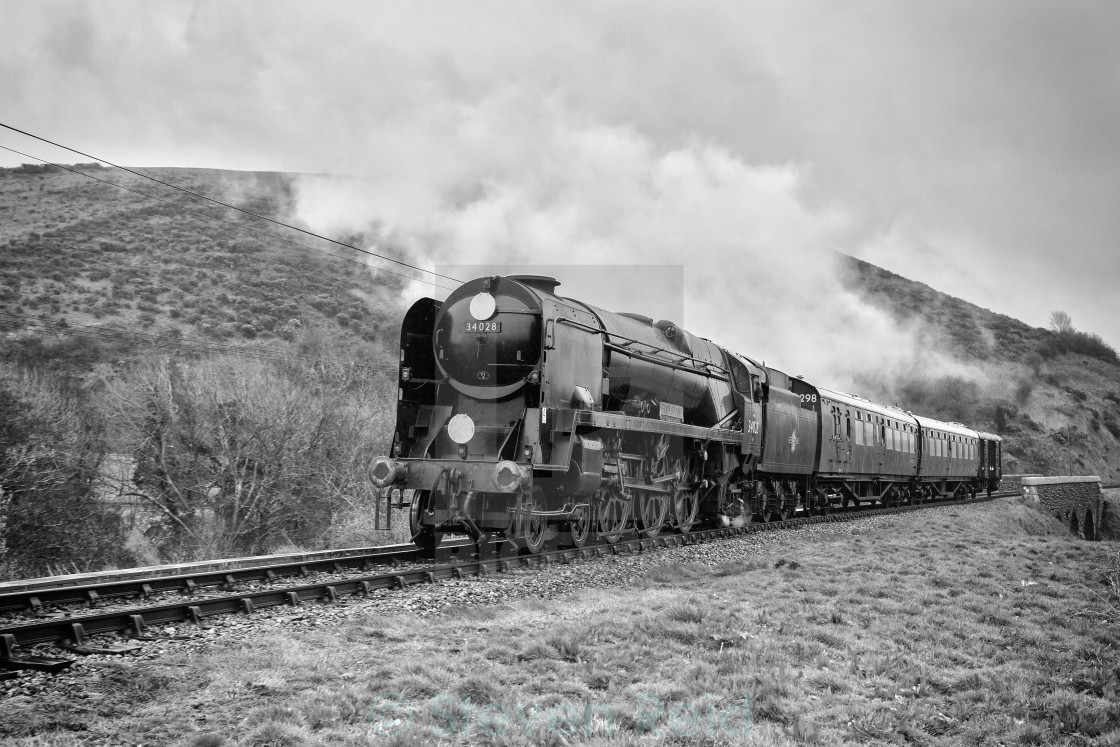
{"type": "Point", "coordinates": [647, 425]}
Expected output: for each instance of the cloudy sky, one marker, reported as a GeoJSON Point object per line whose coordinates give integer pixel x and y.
{"type": "Point", "coordinates": [974, 146]}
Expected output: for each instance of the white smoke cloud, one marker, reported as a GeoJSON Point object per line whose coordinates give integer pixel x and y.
{"type": "Point", "coordinates": [540, 185]}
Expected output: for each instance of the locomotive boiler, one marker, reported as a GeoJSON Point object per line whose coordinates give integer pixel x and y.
{"type": "Point", "coordinates": [533, 417]}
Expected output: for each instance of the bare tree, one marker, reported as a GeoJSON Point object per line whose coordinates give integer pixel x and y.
{"type": "Point", "coordinates": [1060, 321]}
{"type": "Point", "coordinates": [240, 456]}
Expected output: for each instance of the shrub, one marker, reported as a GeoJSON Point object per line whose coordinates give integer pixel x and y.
{"type": "Point", "coordinates": [244, 455]}
{"type": "Point", "coordinates": [1073, 341]}
{"type": "Point", "coordinates": [1111, 425]}
{"type": "Point", "coordinates": [51, 451]}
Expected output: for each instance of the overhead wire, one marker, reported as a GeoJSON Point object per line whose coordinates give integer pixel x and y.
{"type": "Point", "coordinates": [225, 204]}
{"type": "Point", "coordinates": [238, 226]}
{"type": "Point", "coordinates": [194, 344]}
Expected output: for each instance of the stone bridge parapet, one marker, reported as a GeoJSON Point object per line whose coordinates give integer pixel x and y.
{"type": "Point", "coordinates": [1075, 501]}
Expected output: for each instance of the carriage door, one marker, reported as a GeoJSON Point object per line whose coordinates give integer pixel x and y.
{"type": "Point", "coordinates": [839, 446]}
{"type": "Point", "coordinates": [912, 447]}
{"type": "Point", "coordinates": [833, 431]}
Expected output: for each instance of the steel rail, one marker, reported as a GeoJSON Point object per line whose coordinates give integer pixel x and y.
{"type": "Point", "coordinates": [40, 593]}
{"type": "Point", "coordinates": [71, 633]}
{"type": "Point", "coordinates": [31, 595]}
{"type": "Point", "coordinates": [179, 569]}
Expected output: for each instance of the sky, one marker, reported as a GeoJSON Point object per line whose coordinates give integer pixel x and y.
{"type": "Point", "coordinates": [731, 146]}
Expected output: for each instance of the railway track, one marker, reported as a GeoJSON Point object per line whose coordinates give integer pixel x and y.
{"type": "Point", "coordinates": [36, 594]}
{"type": "Point", "coordinates": [73, 633]}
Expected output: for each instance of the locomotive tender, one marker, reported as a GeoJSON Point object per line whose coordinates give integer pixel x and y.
{"type": "Point", "coordinates": [533, 417]}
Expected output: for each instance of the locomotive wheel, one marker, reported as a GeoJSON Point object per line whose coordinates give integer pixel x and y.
{"type": "Point", "coordinates": [685, 505]}
{"type": "Point", "coordinates": [652, 510]}
{"type": "Point", "coordinates": [535, 536]}
{"type": "Point", "coordinates": [612, 514]}
{"type": "Point", "coordinates": [580, 526]}
{"type": "Point", "coordinates": [424, 535]}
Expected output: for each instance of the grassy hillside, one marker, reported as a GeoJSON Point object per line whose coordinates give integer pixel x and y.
{"type": "Point", "coordinates": [83, 255]}
{"type": "Point", "coordinates": [1054, 396]}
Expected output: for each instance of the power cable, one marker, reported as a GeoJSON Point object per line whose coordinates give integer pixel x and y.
{"type": "Point", "coordinates": [238, 226]}
{"type": "Point", "coordinates": [224, 204]}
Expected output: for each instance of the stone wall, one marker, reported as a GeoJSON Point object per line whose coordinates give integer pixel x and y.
{"type": "Point", "coordinates": [1014, 482]}
{"type": "Point", "coordinates": [1075, 501]}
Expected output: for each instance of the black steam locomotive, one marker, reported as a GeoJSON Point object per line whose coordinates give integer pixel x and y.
{"type": "Point", "coordinates": [533, 417]}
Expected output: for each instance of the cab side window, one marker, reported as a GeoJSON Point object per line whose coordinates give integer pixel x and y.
{"type": "Point", "coordinates": [741, 379]}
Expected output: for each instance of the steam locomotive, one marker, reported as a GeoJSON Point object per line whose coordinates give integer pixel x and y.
{"type": "Point", "coordinates": [525, 415]}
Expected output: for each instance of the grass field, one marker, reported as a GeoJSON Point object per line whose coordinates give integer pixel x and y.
{"type": "Point", "coordinates": [979, 625]}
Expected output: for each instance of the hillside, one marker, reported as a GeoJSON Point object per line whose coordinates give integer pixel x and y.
{"type": "Point", "coordinates": [1054, 396]}
{"type": "Point", "coordinates": [98, 260]}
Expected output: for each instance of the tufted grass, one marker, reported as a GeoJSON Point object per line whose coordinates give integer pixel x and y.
{"type": "Point", "coordinates": [982, 625]}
